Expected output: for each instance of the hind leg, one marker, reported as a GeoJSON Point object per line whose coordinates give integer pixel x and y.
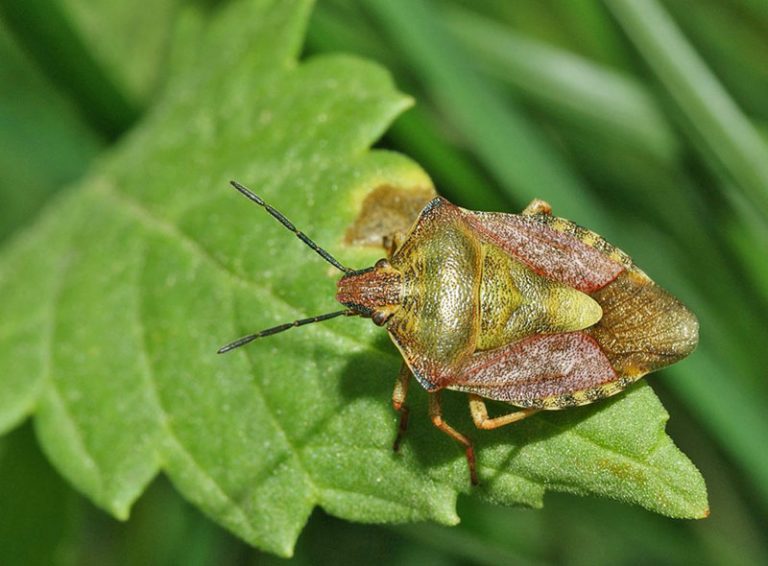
{"type": "Point", "coordinates": [537, 206]}
{"type": "Point", "coordinates": [482, 420]}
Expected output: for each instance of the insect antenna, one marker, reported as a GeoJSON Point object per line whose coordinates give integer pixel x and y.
{"type": "Point", "coordinates": [283, 327]}
{"type": "Point", "coordinates": [288, 224]}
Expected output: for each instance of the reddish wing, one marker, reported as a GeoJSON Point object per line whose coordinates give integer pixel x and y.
{"type": "Point", "coordinates": [557, 255]}
{"type": "Point", "coordinates": [536, 368]}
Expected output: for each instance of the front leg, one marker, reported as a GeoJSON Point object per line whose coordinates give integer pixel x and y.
{"type": "Point", "coordinates": [398, 402]}
{"type": "Point", "coordinates": [393, 241]}
{"type": "Point", "coordinates": [482, 420]}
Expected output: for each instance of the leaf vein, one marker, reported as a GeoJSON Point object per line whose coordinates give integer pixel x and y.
{"type": "Point", "coordinates": [279, 425]}
{"type": "Point", "coordinates": [56, 395]}
{"type": "Point", "coordinates": [165, 421]}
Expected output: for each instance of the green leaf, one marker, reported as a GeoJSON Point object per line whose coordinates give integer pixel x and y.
{"type": "Point", "coordinates": [115, 302]}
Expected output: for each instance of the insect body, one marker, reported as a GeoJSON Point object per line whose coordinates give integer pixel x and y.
{"type": "Point", "coordinates": [529, 309]}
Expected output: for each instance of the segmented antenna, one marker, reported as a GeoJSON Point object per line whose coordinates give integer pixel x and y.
{"type": "Point", "coordinates": [288, 224]}
{"type": "Point", "coordinates": [283, 327]}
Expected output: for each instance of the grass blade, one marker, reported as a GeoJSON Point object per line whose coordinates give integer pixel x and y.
{"type": "Point", "coordinates": [719, 123]}
{"type": "Point", "coordinates": [518, 156]}
{"type": "Point", "coordinates": [591, 95]}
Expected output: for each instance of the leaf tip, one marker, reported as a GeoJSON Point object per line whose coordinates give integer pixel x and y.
{"type": "Point", "coordinates": [285, 551]}
{"type": "Point", "coordinates": [120, 511]}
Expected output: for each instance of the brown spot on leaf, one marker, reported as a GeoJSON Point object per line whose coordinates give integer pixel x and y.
{"type": "Point", "coordinates": [623, 471]}
{"type": "Point", "coordinates": [385, 211]}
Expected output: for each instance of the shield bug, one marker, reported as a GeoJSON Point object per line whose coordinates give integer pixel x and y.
{"type": "Point", "coordinates": [531, 310]}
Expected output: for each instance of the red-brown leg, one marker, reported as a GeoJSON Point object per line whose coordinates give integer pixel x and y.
{"type": "Point", "coordinates": [436, 414]}
{"type": "Point", "coordinates": [398, 402]}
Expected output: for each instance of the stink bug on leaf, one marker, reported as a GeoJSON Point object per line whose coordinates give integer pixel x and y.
{"type": "Point", "coordinates": [528, 309]}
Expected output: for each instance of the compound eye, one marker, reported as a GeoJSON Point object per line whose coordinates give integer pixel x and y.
{"type": "Point", "coordinates": [381, 264]}
{"type": "Point", "coordinates": [380, 318]}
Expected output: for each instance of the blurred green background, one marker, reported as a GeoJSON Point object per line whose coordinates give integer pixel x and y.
{"type": "Point", "coordinates": [643, 120]}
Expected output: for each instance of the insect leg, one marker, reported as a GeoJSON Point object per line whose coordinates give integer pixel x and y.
{"type": "Point", "coordinates": [393, 241]}
{"type": "Point", "coordinates": [537, 206]}
{"type": "Point", "coordinates": [436, 414]}
{"type": "Point", "coordinates": [482, 420]}
{"type": "Point", "coordinates": [398, 402]}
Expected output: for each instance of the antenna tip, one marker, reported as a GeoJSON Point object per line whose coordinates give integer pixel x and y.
{"type": "Point", "coordinates": [231, 346]}
{"type": "Point", "coordinates": [247, 192]}
{"type": "Point", "coordinates": [239, 187]}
